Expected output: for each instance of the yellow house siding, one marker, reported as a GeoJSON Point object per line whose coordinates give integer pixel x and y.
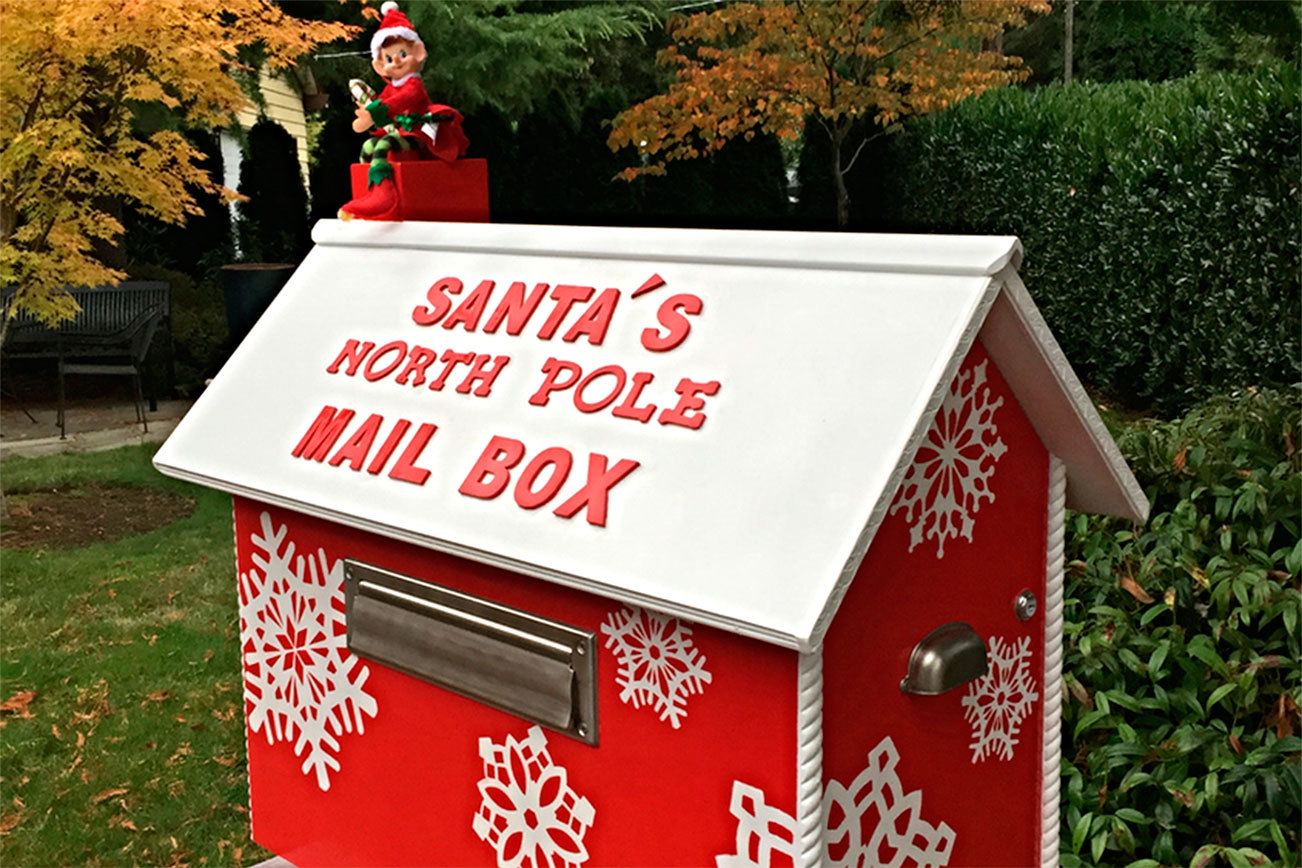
{"type": "Point", "coordinates": [284, 105]}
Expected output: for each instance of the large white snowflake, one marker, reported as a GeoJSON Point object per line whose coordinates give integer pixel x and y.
{"type": "Point", "coordinates": [997, 703]}
{"type": "Point", "coordinates": [527, 812]}
{"type": "Point", "coordinates": [874, 822]}
{"type": "Point", "coordinates": [658, 665]}
{"type": "Point", "coordinates": [300, 681]}
{"type": "Point", "coordinates": [870, 822]}
{"type": "Point", "coordinates": [762, 831]}
{"type": "Point", "coordinates": [950, 475]}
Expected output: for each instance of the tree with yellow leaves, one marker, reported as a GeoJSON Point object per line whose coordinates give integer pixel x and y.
{"type": "Point", "coordinates": [74, 76]}
{"type": "Point", "coordinates": [773, 65]}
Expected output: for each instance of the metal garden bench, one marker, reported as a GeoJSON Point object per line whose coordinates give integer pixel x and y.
{"type": "Point", "coordinates": [110, 335]}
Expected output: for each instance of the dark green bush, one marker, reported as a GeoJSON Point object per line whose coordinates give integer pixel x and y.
{"type": "Point", "coordinates": [1161, 221]}
{"type": "Point", "coordinates": [273, 221]}
{"type": "Point", "coordinates": [1180, 723]}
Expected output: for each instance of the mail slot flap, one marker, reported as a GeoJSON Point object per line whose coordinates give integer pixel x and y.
{"type": "Point", "coordinates": [533, 667]}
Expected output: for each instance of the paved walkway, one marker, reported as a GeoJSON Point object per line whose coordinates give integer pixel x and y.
{"type": "Point", "coordinates": [93, 425]}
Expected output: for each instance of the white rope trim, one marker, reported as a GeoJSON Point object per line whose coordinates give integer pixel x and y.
{"type": "Point", "coordinates": [809, 761]}
{"type": "Point", "coordinates": [235, 540]}
{"type": "Point", "coordinates": [1053, 605]}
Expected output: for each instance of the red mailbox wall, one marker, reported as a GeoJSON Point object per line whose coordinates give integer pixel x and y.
{"type": "Point", "coordinates": [972, 756]}
{"type": "Point", "coordinates": [353, 763]}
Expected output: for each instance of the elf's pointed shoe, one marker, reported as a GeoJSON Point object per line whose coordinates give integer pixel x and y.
{"type": "Point", "coordinates": [380, 202]}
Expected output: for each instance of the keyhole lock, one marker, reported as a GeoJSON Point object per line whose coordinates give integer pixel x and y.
{"type": "Point", "coordinates": [1025, 606]}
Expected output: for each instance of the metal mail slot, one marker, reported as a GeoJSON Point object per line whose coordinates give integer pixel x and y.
{"type": "Point", "coordinates": [533, 667]}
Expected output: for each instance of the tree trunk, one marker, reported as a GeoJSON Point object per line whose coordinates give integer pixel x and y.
{"type": "Point", "coordinates": [1069, 16]}
{"type": "Point", "coordinates": [5, 318]}
{"type": "Point", "coordinates": [838, 180]}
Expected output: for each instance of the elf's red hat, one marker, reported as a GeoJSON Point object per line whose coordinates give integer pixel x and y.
{"type": "Point", "coordinates": [394, 24]}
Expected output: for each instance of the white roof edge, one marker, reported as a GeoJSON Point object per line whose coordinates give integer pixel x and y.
{"type": "Point", "coordinates": [972, 255]}
{"type": "Point", "coordinates": [695, 615]}
{"type": "Point", "coordinates": [1054, 399]}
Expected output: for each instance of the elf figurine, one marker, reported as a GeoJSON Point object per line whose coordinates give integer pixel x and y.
{"type": "Point", "coordinates": [400, 119]}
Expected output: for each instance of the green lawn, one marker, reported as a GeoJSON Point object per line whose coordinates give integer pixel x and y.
{"type": "Point", "coordinates": [134, 750]}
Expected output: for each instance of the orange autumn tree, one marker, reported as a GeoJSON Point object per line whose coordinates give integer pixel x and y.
{"type": "Point", "coordinates": [74, 75]}
{"type": "Point", "coordinates": [775, 66]}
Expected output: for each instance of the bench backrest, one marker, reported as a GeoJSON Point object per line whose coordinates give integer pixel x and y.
{"type": "Point", "coordinates": [105, 310]}
{"type": "Point", "coordinates": [113, 320]}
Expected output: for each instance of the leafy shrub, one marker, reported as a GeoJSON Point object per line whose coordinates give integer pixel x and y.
{"type": "Point", "coordinates": [1182, 658]}
{"type": "Point", "coordinates": [199, 333]}
{"type": "Point", "coordinates": [1161, 221]}
{"type": "Point", "coordinates": [272, 225]}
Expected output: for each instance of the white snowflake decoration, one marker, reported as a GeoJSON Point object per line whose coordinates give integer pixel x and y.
{"type": "Point", "coordinates": [870, 822]}
{"type": "Point", "coordinates": [998, 702]}
{"type": "Point", "coordinates": [300, 680]}
{"type": "Point", "coordinates": [658, 664]}
{"type": "Point", "coordinates": [528, 813]}
{"type": "Point", "coordinates": [897, 835]}
{"type": "Point", "coordinates": [762, 830]}
{"type": "Point", "coordinates": [950, 475]}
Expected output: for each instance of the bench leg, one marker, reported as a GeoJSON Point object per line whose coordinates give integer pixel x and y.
{"type": "Point", "coordinates": [63, 433]}
{"type": "Point", "coordinates": [140, 402]}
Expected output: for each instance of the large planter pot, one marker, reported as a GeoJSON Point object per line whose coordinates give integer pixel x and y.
{"type": "Point", "coordinates": [248, 288]}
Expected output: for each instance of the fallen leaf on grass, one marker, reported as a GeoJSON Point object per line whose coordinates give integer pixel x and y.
{"type": "Point", "coordinates": [81, 739]}
{"type": "Point", "coordinates": [181, 753]}
{"type": "Point", "coordinates": [1132, 587]}
{"type": "Point", "coordinates": [207, 655]}
{"type": "Point", "coordinates": [122, 823]}
{"type": "Point", "coordinates": [227, 761]}
{"type": "Point", "coordinates": [17, 704]}
{"type": "Point", "coordinates": [107, 794]}
{"type": "Point", "coordinates": [54, 731]}
{"type": "Point", "coordinates": [158, 696]}
{"type": "Point", "coordinates": [10, 821]}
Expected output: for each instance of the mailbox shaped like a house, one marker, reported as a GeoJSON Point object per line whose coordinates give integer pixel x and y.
{"type": "Point", "coordinates": [565, 546]}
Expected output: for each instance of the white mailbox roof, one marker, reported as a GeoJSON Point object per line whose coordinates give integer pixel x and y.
{"type": "Point", "coordinates": [831, 351]}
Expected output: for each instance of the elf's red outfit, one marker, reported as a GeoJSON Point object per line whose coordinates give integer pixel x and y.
{"type": "Point", "coordinates": [407, 97]}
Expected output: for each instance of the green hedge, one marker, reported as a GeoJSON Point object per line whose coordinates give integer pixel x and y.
{"type": "Point", "coordinates": [1161, 221]}
{"type": "Point", "coordinates": [1182, 666]}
